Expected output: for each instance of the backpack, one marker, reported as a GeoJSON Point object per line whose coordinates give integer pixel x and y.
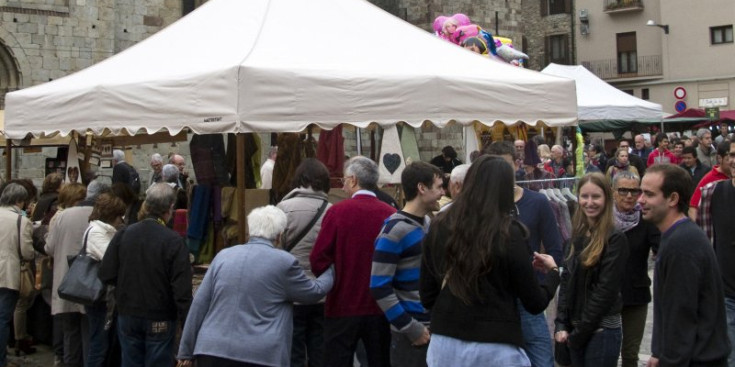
{"type": "Point", "coordinates": [134, 179]}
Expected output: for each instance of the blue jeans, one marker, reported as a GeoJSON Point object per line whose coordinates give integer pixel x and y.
{"type": "Point", "coordinates": [98, 336]}
{"type": "Point", "coordinates": [446, 351]}
{"type": "Point", "coordinates": [602, 350]}
{"type": "Point", "coordinates": [8, 299]}
{"type": "Point", "coordinates": [537, 338]}
{"type": "Point", "coordinates": [146, 343]}
{"type": "Point", "coordinates": [730, 313]}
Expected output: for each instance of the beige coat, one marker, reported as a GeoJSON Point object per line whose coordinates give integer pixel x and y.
{"type": "Point", "coordinates": [300, 206]}
{"type": "Point", "coordinates": [65, 236]}
{"type": "Point", "coordinates": [9, 261]}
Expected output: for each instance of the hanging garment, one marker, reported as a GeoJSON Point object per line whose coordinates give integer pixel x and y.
{"type": "Point", "coordinates": [331, 152]}
{"type": "Point", "coordinates": [409, 144]}
{"type": "Point", "coordinates": [208, 157]}
{"type": "Point", "coordinates": [252, 153]}
{"type": "Point", "coordinates": [391, 162]}
{"type": "Point", "coordinates": [289, 158]}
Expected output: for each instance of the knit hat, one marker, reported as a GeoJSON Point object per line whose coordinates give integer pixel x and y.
{"type": "Point", "coordinates": [531, 154]}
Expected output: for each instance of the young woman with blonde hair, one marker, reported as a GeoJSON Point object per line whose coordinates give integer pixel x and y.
{"type": "Point", "coordinates": [589, 320]}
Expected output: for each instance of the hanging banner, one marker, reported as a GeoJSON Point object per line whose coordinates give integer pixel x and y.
{"type": "Point", "coordinates": [390, 162]}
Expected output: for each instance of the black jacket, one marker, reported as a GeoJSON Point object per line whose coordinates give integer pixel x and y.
{"type": "Point", "coordinates": [642, 239]}
{"type": "Point", "coordinates": [587, 295]}
{"type": "Point", "coordinates": [495, 317]}
{"type": "Point", "coordinates": [699, 171]}
{"type": "Point", "coordinates": [149, 264]}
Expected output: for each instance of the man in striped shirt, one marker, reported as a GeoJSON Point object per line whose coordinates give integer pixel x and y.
{"type": "Point", "coordinates": [394, 280]}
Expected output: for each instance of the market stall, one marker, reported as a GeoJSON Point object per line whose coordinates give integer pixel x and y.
{"type": "Point", "coordinates": [602, 107]}
{"type": "Point", "coordinates": [237, 66]}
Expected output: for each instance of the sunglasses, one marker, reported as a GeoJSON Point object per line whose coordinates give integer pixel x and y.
{"type": "Point", "coordinates": [625, 191]}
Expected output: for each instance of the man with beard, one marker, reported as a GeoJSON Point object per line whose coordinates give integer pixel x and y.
{"type": "Point", "coordinates": [689, 327]}
{"type": "Point", "coordinates": [394, 279]}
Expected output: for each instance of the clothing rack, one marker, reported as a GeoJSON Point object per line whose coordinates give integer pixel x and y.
{"type": "Point", "coordinates": [548, 180]}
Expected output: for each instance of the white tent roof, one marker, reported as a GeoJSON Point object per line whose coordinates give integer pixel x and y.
{"type": "Point", "coordinates": [598, 100]}
{"type": "Point", "coordinates": [280, 65]}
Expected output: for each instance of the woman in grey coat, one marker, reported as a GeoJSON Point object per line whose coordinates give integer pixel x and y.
{"type": "Point", "coordinates": [242, 312]}
{"type": "Point", "coordinates": [305, 207]}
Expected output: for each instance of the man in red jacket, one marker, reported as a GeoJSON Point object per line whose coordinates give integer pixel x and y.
{"type": "Point", "coordinates": [346, 240]}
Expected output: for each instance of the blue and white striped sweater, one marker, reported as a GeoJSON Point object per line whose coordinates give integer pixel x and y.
{"type": "Point", "coordinates": [394, 280]}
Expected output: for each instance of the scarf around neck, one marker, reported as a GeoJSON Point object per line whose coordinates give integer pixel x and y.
{"type": "Point", "coordinates": [626, 221]}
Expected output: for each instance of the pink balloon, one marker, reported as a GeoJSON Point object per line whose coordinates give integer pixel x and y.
{"type": "Point", "coordinates": [439, 22]}
{"type": "Point", "coordinates": [462, 19]}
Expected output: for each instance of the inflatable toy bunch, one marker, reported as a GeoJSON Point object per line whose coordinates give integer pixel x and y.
{"type": "Point", "coordinates": [458, 29]}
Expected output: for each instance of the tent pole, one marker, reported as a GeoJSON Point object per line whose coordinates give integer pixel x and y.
{"type": "Point", "coordinates": [8, 159]}
{"type": "Point", "coordinates": [241, 233]}
{"type": "Point", "coordinates": [358, 136]}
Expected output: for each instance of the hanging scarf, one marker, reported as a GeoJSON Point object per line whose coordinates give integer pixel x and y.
{"type": "Point", "coordinates": [626, 221]}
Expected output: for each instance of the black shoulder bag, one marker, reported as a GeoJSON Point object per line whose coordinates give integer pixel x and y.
{"type": "Point", "coordinates": [306, 229]}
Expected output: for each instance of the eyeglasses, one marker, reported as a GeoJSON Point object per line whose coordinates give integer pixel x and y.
{"type": "Point", "coordinates": [344, 179]}
{"type": "Point", "coordinates": [623, 191]}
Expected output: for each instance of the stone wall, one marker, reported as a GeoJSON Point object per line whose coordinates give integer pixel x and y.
{"type": "Point", "coordinates": [53, 38]}
{"type": "Point", "coordinates": [536, 28]}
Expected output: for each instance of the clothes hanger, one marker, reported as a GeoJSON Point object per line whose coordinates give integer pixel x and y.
{"type": "Point", "coordinates": [568, 194]}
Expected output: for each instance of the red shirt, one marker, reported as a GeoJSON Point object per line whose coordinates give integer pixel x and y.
{"type": "Point", "coordinates": [711, 176]}
{"type": "Point", "coordinates": [347, 240]}
{"type": "Point", "coordinates": [656, 154]}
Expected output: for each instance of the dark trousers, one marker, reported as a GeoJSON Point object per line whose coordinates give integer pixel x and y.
{"type": "Point", "coordinates": [602, 350]}
{"type": "Point", "coordinates": [634, 324]}
{"type": "Point", "coordinates": [8, 299]}
{"type": "Point", "coordinates": [404, 354]}
{"type": "Point", "coordinates": [308, 336]}
{"type": "Point", "coordinates": [74, 326]}
{"type": "Point", "coordinates": [99, 339]}
{"type": "Point", "coordinates": [146, 343]}
{"type": "Point", "coordinates": [210, 361]}
{"type": "Point", "coordinates": [342, 333]}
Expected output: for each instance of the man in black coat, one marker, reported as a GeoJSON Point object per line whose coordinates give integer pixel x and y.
{"type": "Point", "coordinates": [691, 164]}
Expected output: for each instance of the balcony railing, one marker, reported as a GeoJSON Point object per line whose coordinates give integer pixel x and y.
{"type": "Point", "coordinates": [609, 69]}
{"type": "Point", "coordinates": [619, 6]}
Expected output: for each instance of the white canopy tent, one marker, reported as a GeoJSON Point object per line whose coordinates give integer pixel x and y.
{"type": "Point", "coordinates": [598, 100]}
{"type": "Point", "coordinates": [280, 65]}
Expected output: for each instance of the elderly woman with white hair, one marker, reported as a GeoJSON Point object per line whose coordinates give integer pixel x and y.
{"type": "Point", "coordinates": [248, 292]}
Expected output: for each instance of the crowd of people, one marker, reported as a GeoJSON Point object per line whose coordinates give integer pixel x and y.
{"type": "Point", "coordinates": [487, 277]}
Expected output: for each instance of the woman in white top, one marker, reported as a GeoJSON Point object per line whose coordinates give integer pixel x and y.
{"type": "Point", "coordinates": [106, 217]}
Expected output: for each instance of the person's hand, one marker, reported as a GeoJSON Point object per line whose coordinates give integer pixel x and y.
{"type": "Point", "coordinates": [423, 339]}
{"type": "Point", "coordinates": [543, 262]}
{"type": "Point", "coordinates": [185, 363]}
{"type": "Point", "coordinates": [561, 336]}
{"type": "Point", "coordinates": [652, 362]}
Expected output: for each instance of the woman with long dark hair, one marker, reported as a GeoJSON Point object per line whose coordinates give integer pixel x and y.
{"type": "Point", "coordinates": [588, 319]}
{"type": "Point", "coordinates": [476, 263]}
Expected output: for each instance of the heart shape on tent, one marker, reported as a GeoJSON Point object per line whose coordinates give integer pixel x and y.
{"type": "Point", "coordinates": [391, 162]}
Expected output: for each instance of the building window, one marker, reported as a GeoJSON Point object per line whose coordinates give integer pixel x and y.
{"type": "Point", "coordinates": [629, 91]}
{"type": "Point", "coordinates": [551, 7]}
{"type": "Point", "coordinates": [722, 34]}
{"type": "Point", "coordinates": [627, 53]}
{"type": "Point", "coordinates": [645, 94]}
{"type": "Point", "coordinates": [557, 49]}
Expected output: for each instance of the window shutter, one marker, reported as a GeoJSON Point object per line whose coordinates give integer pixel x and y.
{"type": "Point", "coordinates": [565, 48]}
{"type": "Point", "coordinates": [547, 50]}
{"type": "Point", "coordinates": [567, 6]}
{"type": "Point", "coordinates": [544, 7]}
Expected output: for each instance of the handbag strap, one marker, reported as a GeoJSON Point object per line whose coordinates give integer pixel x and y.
{"type": "Point", "coordinates": [83, 251]}
{"type": "Point", "coordinates": [20, 255]}
{"type": "Point", "coordinates": [308, 227]}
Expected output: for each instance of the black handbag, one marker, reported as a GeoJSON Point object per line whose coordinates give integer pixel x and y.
{"type": "Point", "coordinates": [81, 284]}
